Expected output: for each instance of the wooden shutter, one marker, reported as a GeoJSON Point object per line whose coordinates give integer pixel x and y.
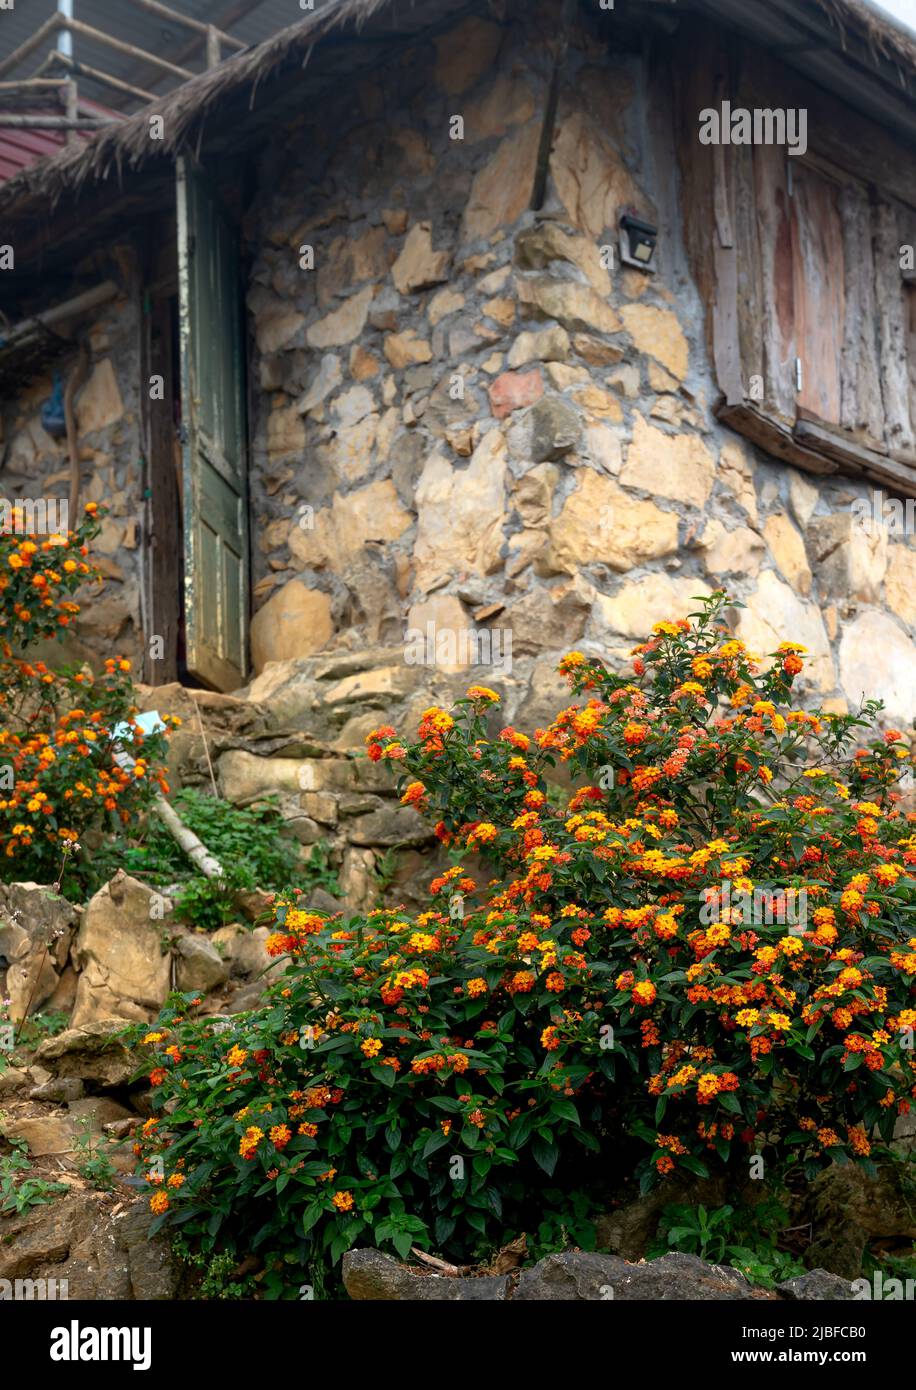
{"type": "Point", "coordinates": [214, 453]}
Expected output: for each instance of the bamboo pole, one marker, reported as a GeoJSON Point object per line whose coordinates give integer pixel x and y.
{"type": "Point", "coordinates": [89, 299]}
{"type": "Point", "coordinates": [57, 122]}
{"type": "Point", "coordinates": [166, 12]}
{"type": "Point", "coordinates": [194, 848]}
{"type": "Point", "coordinates": [50, 26]}
{"type": "Point", "coordinates": [128, 49]}
{"type": "Point", "coordinates": [213, 47]}
{"type": "Point", "coordinates": [116, 83]}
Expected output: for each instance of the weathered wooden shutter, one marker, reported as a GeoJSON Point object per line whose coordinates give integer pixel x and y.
{"type": "Point", "coordinates": [214, 437]}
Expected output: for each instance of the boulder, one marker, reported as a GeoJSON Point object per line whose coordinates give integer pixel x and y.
{"type": "Point", "coordinates": [93, 1052]}
{"type": "Point", "coordinates": [124, 962]}
{"type": "Point", "coordinates": [369, 1275]}
{"type": "Point", "coordinates": [199, 965]}
{"type": "Point", "coordinates": [90, 1243]}
{"type": "Point", "coordinates": [36, 928]}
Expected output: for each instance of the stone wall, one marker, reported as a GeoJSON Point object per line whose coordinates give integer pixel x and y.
{"type": "Point", "coordinates": [465, 417]}
{"type": "Point", "coordinates": [37, 465]}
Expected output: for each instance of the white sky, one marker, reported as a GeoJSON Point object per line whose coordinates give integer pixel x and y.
{"type": "Point", "coordinates": [904, 10]}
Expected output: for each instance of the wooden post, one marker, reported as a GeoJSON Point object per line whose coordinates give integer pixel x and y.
{"type": "Point", "coordinates": [213, 47]}
{"type": "Point", "coordinates": [71, 97]}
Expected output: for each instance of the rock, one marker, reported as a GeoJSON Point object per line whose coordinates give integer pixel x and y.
{"type": "Point", "coordinates": [294, 622]}
{"type": "Point", "coordinates": [731, 552]}
{"type": "Point", "coordinates": [343, 325]}
{"type": "Point", "coordinates": [464, 54]}
{"type": "Point", "coordinates": [443, 614]}
{"type": "Point", "coordinates": [419, 267]}
{"type": "Point", "coordinates": [575, 306]}
{"type": "Point", "coordinates": [447, 301]}
{"type": "Point", "coordinates": [803, 497]}
{"type": "Point", "coordinates": [849, 556]}
{"type": "Point", "coordinates": [555, 429]}
{"type": "Point", "coordinates": [590, 177]}
{"type": "Point", "coordinates": [363, 364]}
{"type": "Point", "coordinates": [900, 583]}
{"type": "Point", "coordinates": [285, 432]}
{"type": "Point", "coordinates": [403, 349]}
{"type": "Point", "coordinates": [878, 661]}
{"type": "Point", "coordinates": [368, 1275]}
{"type": "Point", "coordinates": [352, 406]}
{"type": "Point", "coordinates": [44, 1134]}
{"type": "Point", "coordinates": [507, 102]}
{"type": "Point", "coordinates": [603, 447]}
{"type": "Point", "coordinates": [657, 333]}
{"type": "Point", "coordinates": [513, 390]}
{"type": "Point", "coordinates": [59, 1090]}
{"type": "Point", "coordinates": [788, 550]}
{"type": "Point", "coordinates": [36, 929]}
{"type": "Point", "coordinates": [199, 965]}
{"type": "Point", "coordinates": [125, 972]}
{"type": "Point", "coordinates": [96, 1255]}
{"type": "Point", "coordinates": [276, 326]}
{"type": "Point", "coordinates": [243, 949]}
{"type": "Point", "coordinates": [772, 611]}
{"type": "Point", "coordinates": [816, 1285]}
{"type": "Point", "coordinates": [678, 466]}
{"type": "Point", "coordinates": [99, 403]}
{"type": "Point", "coordinates": [600, 523]}
{"type": "Point", "coordinates": [501, 190]}
{"type": "Point", "coordinates": [578, 1276]}
{"type": "Point", "coordinates": [736, 473]}
{"type": "Point", "coordinates": [341, 531]}
{"type": "Point", "coordinates": [536, 247]}
{"type": "Point", "coordinates": [597, 353]}
{"type": "Point", "coordinates": [640, 603]}
{"type": "Point", "coordinates": [460, 513]}
{"type": "Point", "coordinates": [546, 618]}
{"type": "Point", "coordinates": [848, 1208]}
{"type": "Point", "coordinates": [396, 826]}
{"type": "Point", "coordinates": [545, 345]}
{"type": "Point", "coordinates": [93, 1052]}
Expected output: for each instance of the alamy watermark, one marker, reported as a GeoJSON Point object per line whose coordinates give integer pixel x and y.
{"type": "Point", "coordinates": [34, 516]}
{"type": "Point", "coordinates": [897, 514]}
{"type": "Point", "coordinates": [450, 647]}
{"type": "Point", "coordinates": [738, 125]}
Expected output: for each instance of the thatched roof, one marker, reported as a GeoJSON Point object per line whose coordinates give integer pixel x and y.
{"type": "Point", "coordinates": [127, 146]}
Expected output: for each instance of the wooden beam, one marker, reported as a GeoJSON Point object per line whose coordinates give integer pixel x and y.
{"type": "Point", "coordinates": [128, 49]}
{"type": "Point", "coordinates": [229, 16]}
{"type": "Point", "coordinates": [165, 12]}
{"type": "Point", "coordinates": [43, 31]}
{"type": "Point", "coordinates": [28, 83]}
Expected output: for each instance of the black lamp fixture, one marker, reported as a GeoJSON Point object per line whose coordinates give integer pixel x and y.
{"type": "Point", "coordinates": [638, 240]}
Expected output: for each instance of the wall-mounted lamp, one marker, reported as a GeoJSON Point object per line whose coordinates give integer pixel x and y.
{"type": "Point", "coordinates": [638, 240]}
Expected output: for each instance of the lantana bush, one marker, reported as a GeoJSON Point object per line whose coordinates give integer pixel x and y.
{"type": "Point", "coordinates": [59, 776]}
{"type": "Point", "coordinates": [705, 955]}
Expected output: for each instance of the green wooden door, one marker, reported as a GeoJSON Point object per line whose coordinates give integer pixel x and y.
{"type": "Point", "coordinates": [215, 503]}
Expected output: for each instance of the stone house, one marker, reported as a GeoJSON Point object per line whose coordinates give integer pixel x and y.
{"type": "Point", "coordinates": [519, 321]}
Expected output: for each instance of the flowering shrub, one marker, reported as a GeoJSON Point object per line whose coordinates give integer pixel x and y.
{"type": "Point", "coordinates": [59, 777]}
{"type": "Point", "coordinates": [708, 953]}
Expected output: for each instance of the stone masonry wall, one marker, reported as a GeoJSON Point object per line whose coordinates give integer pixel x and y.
{"type": "Point", "coordinates": [34, 464]}
{"type": "Point", "coordinates": [464, 417]}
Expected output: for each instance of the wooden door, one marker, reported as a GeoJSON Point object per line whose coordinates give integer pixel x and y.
{"type": "Point", "coordinates": [215, 502]}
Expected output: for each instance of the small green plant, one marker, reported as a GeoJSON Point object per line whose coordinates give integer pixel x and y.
{"type": "Point", "coordinates": [567, 1224]}
{"type": "Point", "coordinates": [252, 843]}
{"type": "Point", "coordinates": [217, 1273]}
{"type": "Point", "coordinates": [18, 1194]}
{"type": "Point", "coordinates": [37, 1027]}
{"type": "Point", "coordinates": [742, 1237]}
{"type": "Point", "coordinates": [93, 1162]}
